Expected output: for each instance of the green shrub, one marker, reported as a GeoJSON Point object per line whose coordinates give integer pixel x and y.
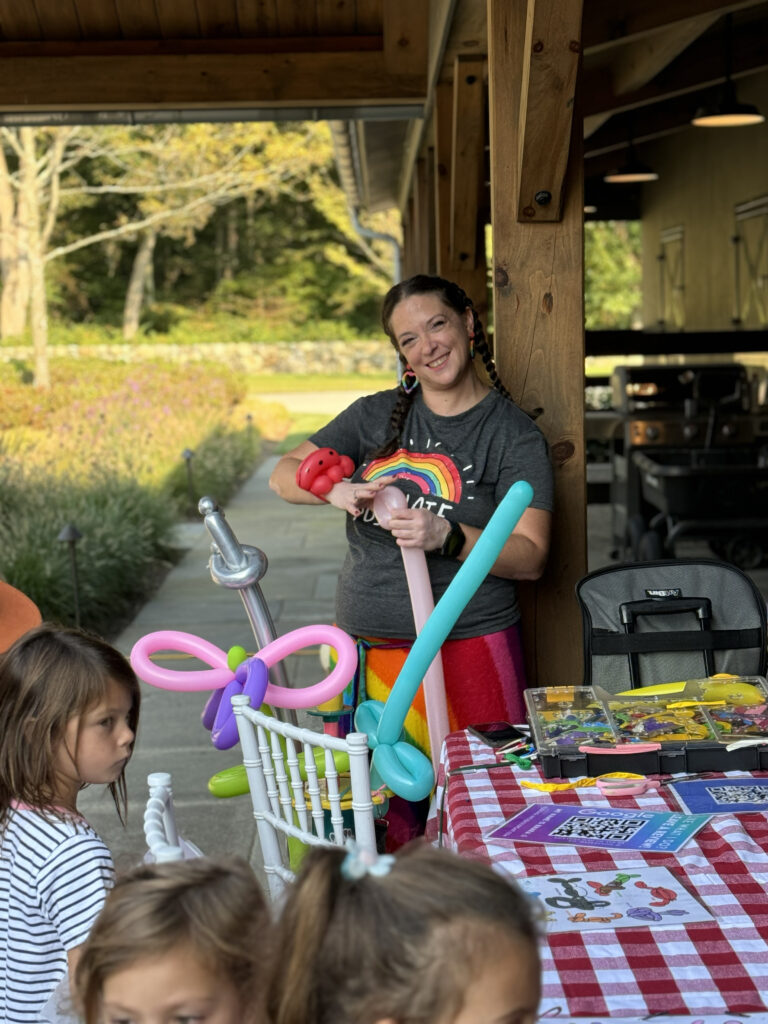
{"type": "Point", "coordinates": [124, 528]}
{"type": "Point", "coordinates": [102, 450]}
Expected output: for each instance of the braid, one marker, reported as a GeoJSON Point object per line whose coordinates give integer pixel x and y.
{"type": "Point", "coordinates": [484, 351]}
{"type": "Point", "coordinates": [396, 422]}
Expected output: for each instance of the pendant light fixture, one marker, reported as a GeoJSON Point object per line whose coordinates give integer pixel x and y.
{"type": "Point", "coordinates": [724, 110]}
{"type": "Point", "coordinates": [633, 170]}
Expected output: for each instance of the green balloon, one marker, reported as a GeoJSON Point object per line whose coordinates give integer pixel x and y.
{"type": "Point", "coordinates": [236, 656]}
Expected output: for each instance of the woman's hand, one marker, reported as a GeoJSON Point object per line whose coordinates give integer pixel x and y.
{"type": "Point", "coordinates": [418, 528]}
{"type": "Point", "coordinates": [356, 497]}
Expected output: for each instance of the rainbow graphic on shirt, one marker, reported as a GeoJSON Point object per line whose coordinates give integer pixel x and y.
{"type": "Point", "coordinates": [432, 473]}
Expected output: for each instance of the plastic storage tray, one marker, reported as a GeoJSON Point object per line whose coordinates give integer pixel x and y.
{"type": "Point", "coordinates": [584, 730]}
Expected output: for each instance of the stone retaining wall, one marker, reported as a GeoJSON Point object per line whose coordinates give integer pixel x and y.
{"type": "Point", "coordinates": [331, 357]}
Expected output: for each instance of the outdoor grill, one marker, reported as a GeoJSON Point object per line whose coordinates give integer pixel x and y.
{"type": "Point", "coordinates": [689, 457]}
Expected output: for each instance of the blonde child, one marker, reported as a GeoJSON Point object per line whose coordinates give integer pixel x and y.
{"type": "Point", "coordinates": [181, 941]}
{"type": "Point", "coordinates": [69, 708]}
{"type": "Point", "coordinates": [423, 936]}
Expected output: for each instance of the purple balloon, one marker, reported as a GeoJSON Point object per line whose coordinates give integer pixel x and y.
{"type": "Point", "coordinates": [251, 679]}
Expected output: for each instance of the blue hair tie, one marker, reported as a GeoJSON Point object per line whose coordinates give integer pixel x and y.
{"type": "Point", "coordinates": [358, 863]}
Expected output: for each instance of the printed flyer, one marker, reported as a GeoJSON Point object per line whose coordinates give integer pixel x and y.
{"type": "Point", "coordinates": [606, 827]}
{"type": "Point", "coordinates": [613, 899]}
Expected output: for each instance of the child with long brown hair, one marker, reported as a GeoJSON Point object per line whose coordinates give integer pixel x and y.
{"type": "Point", "coordinates": [424, 936]}
{"type": "Point", "coordinates": [69, 708]}
{"type": "Point", "coordinates": [185, 940]}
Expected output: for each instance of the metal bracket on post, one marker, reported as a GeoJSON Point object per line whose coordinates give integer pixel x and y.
{"type": "Point", "coordinates": [240, 567]}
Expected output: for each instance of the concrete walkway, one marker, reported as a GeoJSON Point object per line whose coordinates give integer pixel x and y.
{"type": "Point", "coordinates": [305, 546]}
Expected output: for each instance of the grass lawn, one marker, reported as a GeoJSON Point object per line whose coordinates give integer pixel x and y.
{"type": "Point", "coordinates": [276, 382]}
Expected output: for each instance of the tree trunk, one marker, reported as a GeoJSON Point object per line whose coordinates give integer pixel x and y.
{"type": "Point", "coordinates": [134, 297]}
{"type": "Point", "coordinates": [38, 307]}
{"type": "Point", "coordinates": [14, 269]}
{"type": "Point", "coordinates": [232, 242]}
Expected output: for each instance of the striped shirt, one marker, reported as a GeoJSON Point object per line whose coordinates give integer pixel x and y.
{"type": "Point", "coordinates": [53, 879]}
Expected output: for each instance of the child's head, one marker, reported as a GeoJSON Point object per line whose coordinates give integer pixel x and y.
{"type": "Point", "coordinates": [186, 939]}
{"type": "Point", "coordinates": [436, 939]}
{"type": "Point", "coordinates": [69, 704]}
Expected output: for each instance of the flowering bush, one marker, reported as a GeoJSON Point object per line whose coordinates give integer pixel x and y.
{"type": "Point", "coordinates": [103, 451]}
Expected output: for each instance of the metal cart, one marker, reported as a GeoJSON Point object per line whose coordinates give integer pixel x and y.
{"type": "Point", "coordinates": [718, 494]}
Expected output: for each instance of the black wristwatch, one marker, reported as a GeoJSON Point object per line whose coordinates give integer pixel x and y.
{"type": "Point", "coordinates": [454, 541]}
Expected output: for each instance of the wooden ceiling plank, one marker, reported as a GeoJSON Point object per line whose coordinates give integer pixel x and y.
{"type": "Point", "coordinates": [218, 19]}
{"type": "Point", "coordinates": [335, 17]}
{"type": "Point", "coordinates": [19, 21]}
{"type": "Point", "coordinates": [296, 19]}
{"type": "Point", "coordinates": [607, 22]}
{"type": "Point", "coordinates": [641, 61]}
{"type": "Point", "coordinates": [257, 17]}
{"type": "Point", "coordinates": [369, 15]}
{"type": "Point", "coordinates": [468, 135]}
{"type": "Point", "coordinates": [138, 19]}
{"type": "Point", "coordinates": [699, 67]}
{"type": "Point", "coordinates": [98, 19]}
{"type": "Point", "coordinates": [178, 19]}
{"type": "Point", "coordinates": [406, 36]}
{"type": "Point", "coordinates": [204, 80]}
{"type": "Point", "coordinates": [57, 20]}
{"type": "Point", "coordinates": [551, 62]}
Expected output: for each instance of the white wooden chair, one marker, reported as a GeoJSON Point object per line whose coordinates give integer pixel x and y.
{"type": "Point", "coordinates": [287, 794]}
{"type": "Point", "coordinates": [163, 840]}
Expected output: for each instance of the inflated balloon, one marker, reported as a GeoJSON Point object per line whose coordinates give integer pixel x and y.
{"type": "Point", "coordinates": [321, 469]}
{"type": "Point", "coordinates": [251, 680]}
{"type": "Point", "coordinates": [220, 673]}
{"type": "Point", "coordinates": [387, 501]}
{"type": "Point", "coordinates": [384, 723]}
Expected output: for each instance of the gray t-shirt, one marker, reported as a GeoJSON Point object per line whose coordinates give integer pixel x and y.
{"type": "Point", "coordinates": [456, 466]}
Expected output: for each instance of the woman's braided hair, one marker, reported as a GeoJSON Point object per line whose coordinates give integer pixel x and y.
{"type": "Point", "coordinates": [458, 300]}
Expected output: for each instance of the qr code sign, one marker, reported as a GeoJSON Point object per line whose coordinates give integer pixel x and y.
{"type": "Point", "coordinates": [738, 794]}
{"type": "Point", "coordinates": [618, 830]}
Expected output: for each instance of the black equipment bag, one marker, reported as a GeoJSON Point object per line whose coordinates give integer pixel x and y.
{"type": "Point", "coordinates": [661, 622]}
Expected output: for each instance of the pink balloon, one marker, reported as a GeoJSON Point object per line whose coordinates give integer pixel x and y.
{"type": "Point", "coordinates": [220, 674]}
{"type": "Point", "coordinates": [387, 501]}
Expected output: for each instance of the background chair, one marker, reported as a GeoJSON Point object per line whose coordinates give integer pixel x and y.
{"type": "Point", "coordinates": [276, 755]}
{"type": "Point", "coordinates": [163, 840]}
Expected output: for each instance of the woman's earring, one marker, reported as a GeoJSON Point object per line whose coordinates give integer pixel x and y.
{"type": "Point", "coordinates": [409, 381]}
{"type": "Point", "coordinates": [471, 346]}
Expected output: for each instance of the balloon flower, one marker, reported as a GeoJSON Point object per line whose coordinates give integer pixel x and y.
{"type": "Point", "coordinates": [385, 503]}
{"type": "Point", "coordinates": [400, 766]}
{"type": "Point", "coordinates": [250, 677]}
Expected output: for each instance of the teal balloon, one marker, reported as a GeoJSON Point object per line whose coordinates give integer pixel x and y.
{"type": "Point", "coordinates": [404, 769]}
{"type": "Point", "coordinates": [442, 620]}
{"type": "Point", "coordinates": [395, 762]}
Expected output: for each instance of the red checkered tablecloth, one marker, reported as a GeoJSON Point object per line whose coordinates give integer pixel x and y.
{"type": "Point", "coordinates": [720, 967]}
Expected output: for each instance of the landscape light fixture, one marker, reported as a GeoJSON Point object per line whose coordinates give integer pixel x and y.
{"type": "Point", "coordinates": [724, 110]}
{"type": "Point", "coordinates": [633, 170]}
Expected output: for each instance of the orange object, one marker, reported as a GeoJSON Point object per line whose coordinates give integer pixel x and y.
{"type": "Point", "coordinates": [17, 615]}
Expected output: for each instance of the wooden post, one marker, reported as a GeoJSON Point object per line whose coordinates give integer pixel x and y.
{"type": "Point", "coordinates": [539, 341]}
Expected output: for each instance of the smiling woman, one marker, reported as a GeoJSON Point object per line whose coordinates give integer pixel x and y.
{"type": "Point", "coordinates": [451, 438]}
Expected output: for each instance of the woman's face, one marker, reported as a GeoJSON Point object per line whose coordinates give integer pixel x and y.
{"type": "Point", "coordinates": [433, 339]}
{"type": "Point", "coordinates": [174, 988]}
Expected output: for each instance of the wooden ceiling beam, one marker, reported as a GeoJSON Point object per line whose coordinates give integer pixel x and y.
{"type": "Point", "coordinates": [607, 22]}
{"type": "Point", "coordinates": [210, 80]}
{"type": "Point", "coordinates": [700, 67]}
{"type": "Point", "coordinates": [550, 67]}
{"type": "Point", "coordinates": [639, 62]}
{"type": "Point", "coordinates": [406, 36]}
